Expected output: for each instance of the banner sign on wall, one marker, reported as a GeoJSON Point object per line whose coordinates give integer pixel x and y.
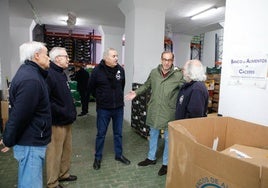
{"type": "Point", "coordinates": [248, 70]}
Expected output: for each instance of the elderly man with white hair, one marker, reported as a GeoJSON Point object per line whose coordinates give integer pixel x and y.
{"type": "Point", "coordinates": [192, 100]}
{"type": "Point", "coordinates": [28, 129]}
{"type": "Point", "coordinates": [59, 151]}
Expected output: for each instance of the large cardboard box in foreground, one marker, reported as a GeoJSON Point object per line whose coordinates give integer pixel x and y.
{"type": "Point", "coordinates": [194, 164]}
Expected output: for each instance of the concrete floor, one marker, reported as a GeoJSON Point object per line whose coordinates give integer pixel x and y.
{"type": "Point", "coordinates": [112, 174]}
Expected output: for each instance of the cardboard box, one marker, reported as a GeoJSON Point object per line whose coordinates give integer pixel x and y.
{"type": "Point", "coordinates": [194, 164]}
{"type": "Point", "coordinates": [250, 154]}
{"type": "Point", "coordinates": [4, 112]}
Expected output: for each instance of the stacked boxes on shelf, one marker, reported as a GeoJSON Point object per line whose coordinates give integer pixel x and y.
{"type": "Point", "coordinates": [213, 86]}
{"type": "Point", "coordinates": [216, 93]}
{"type": "Point", "coordinates": [68, 44]}
{"type": "Point", "coordinates": [4, 113]}
{"type": "Point", "coordinates": [58, 41]}
{"type": "Point", "coordinates": [80, 47]}
{"type": "Point", "coordinates": [83, 50]}
{"type": "Point", "coordinates": [138, 112]}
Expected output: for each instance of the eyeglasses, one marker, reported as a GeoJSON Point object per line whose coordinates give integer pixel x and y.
{"type": "Point", "coordinates": [168, 60]}
{"type": "Point", "coordinates": [66, 56]}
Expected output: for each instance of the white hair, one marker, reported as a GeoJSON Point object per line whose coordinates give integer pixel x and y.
{"type": "Point", "coordinates": [194, 71]}
{"type": "Point", "coordinates": [106, 52]}
{"type": "Point", "coordinates": [28, 49]}
{"type": "Point", "coordinates": [55, 51]}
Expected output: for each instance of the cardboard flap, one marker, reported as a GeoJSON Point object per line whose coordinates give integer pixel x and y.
{"type": "Point", "coordinates": [182, 129]}
{"type": "Point", "coordinates": [204, 130]}
{"type": "Point", "coordinates": [246, 133]}
{"type": "Point", "coordinates": [264, 177]}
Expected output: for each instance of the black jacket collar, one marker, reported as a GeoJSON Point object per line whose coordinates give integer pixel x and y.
{"type": "Point", "coordinates": [42, 71]}
{"type": "Point", "coordinates": [56, 67]}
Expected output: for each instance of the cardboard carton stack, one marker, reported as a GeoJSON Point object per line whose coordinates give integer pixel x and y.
{"type": "Point", "coordinates": [138, 112]}
{"type": "Point", "coordinates": [4, 113]}
{"type": "Point", "coordinates": [213, 86]}
{"type": "Point", "coordinates": [4, 107]}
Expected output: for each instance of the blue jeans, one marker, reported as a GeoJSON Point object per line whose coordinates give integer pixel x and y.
{"type": "Point", "coordinates": [153, 143]}
{"type": "Point", "coordinates": [31, 162]}
{"type": "Point", "coordinates": [103, 119]}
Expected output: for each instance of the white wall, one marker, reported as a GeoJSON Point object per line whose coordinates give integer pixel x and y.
{"type": "Point", "coordinates": [181, 48]}
{"type": "Point", "coordinates": [98, 52]}
{"type": "Point", "coordinates": [147, 40]}
{"type": "Point", "coordinates": [144, 36]}
{"type": "Point", "coordinates": [245, 34]}
{"type": "Point", "coordinates": [5, 53]}
{"type": "Point", "coordinates": [19, 33]}
{"type": "Point", "coordinates": [182, 51]}
{"type": "Point", "coordinates": [208, 58]}
{"type": "Point", "coordinates": [112, 38]}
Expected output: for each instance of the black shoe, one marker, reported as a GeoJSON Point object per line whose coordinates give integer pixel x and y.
{"type": "Point", "coordinates": [163, 170]}
{"type": "Point", "coordinates": [97, 164]}
{"type": "Point", "coordinates": [122, 159]}
{"type": "Point", "coordinates": [147, 162]}
{"type": "Point", "coordinates": [70, 178]}
{"type": "Point", "coordinates": [82, 114]}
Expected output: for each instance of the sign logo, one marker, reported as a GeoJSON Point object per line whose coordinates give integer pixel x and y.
{"type": "Point", "coordinates": [118, 75]}
{"type": "Point", "coordinates": [210, 182]}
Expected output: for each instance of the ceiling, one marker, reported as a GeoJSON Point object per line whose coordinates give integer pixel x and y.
{"type": "Point", "coordinates": [92, 13]}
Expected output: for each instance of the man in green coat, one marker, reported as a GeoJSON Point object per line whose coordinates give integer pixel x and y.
{"type": "Point", "coordinates": [164, 82]}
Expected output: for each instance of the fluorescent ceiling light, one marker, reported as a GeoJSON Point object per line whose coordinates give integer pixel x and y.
{"type": "Point", "coordinates": [204, 14]}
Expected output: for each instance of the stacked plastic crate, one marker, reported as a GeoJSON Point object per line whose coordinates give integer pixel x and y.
{"type": "Point", "coordinates": [75, 93]}
{"type": "Point", "coordinates": [138, 112]}
{"type": "Point", "coordinates": [65, 42]}
{"type": "Point", "coordinates": [83, 50]}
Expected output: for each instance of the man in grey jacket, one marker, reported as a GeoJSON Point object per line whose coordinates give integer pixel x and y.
{"type": "Point", "coordinates": [164, 82]}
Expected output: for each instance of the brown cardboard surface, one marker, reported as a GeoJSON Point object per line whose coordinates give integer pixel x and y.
{"type": "Point", "coordinates": [193, 163]}
{"type": "Point", "coordinates": [246, 133]}
{"type": "Point", "coordinates": [4, 112]}
{"type": "Point", "coordinates": [252, 155]}
{"type": "Point", "coordinates": [4, 109]}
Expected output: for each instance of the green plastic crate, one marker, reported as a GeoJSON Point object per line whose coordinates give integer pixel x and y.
{"type": "Point", "coordinates": [75, 95]}
{"type": "Point", "coordinates": [77, 103]}
{"type": "Point", "coordinates": [73, 85]}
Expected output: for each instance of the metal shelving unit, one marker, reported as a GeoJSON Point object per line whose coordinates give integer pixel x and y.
{"type": "Point", "coordinates": [81, 48]}
{"type": "Point", "coordinates": [197, 47]}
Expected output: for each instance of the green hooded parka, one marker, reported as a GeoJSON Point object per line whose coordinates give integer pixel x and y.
{"type": "Point", "coordinates": [164, 91]}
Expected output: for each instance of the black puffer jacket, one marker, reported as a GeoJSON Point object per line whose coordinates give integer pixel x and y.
{"type": "Point", "coordinates": [29, 122]}
{"type": "Point", "coordinates": [107, 86]}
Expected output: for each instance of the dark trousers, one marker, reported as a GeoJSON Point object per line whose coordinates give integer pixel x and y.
{"type": "Point", "coordinates": [103, 119]}
{"type": "Point", "coordinates": [84, 101]}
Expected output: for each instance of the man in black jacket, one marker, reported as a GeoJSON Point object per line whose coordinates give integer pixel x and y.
{"type": "Point", "coordinates": [59, 152]}
{"type": "Point", "coordinates": [107, 84]}
{"type": "Point", "coordinates": [192, 99]}
{"type": "Point", "coordinates": [82, 78]}
{"type": "Point", "coordinates": [28, 129]}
